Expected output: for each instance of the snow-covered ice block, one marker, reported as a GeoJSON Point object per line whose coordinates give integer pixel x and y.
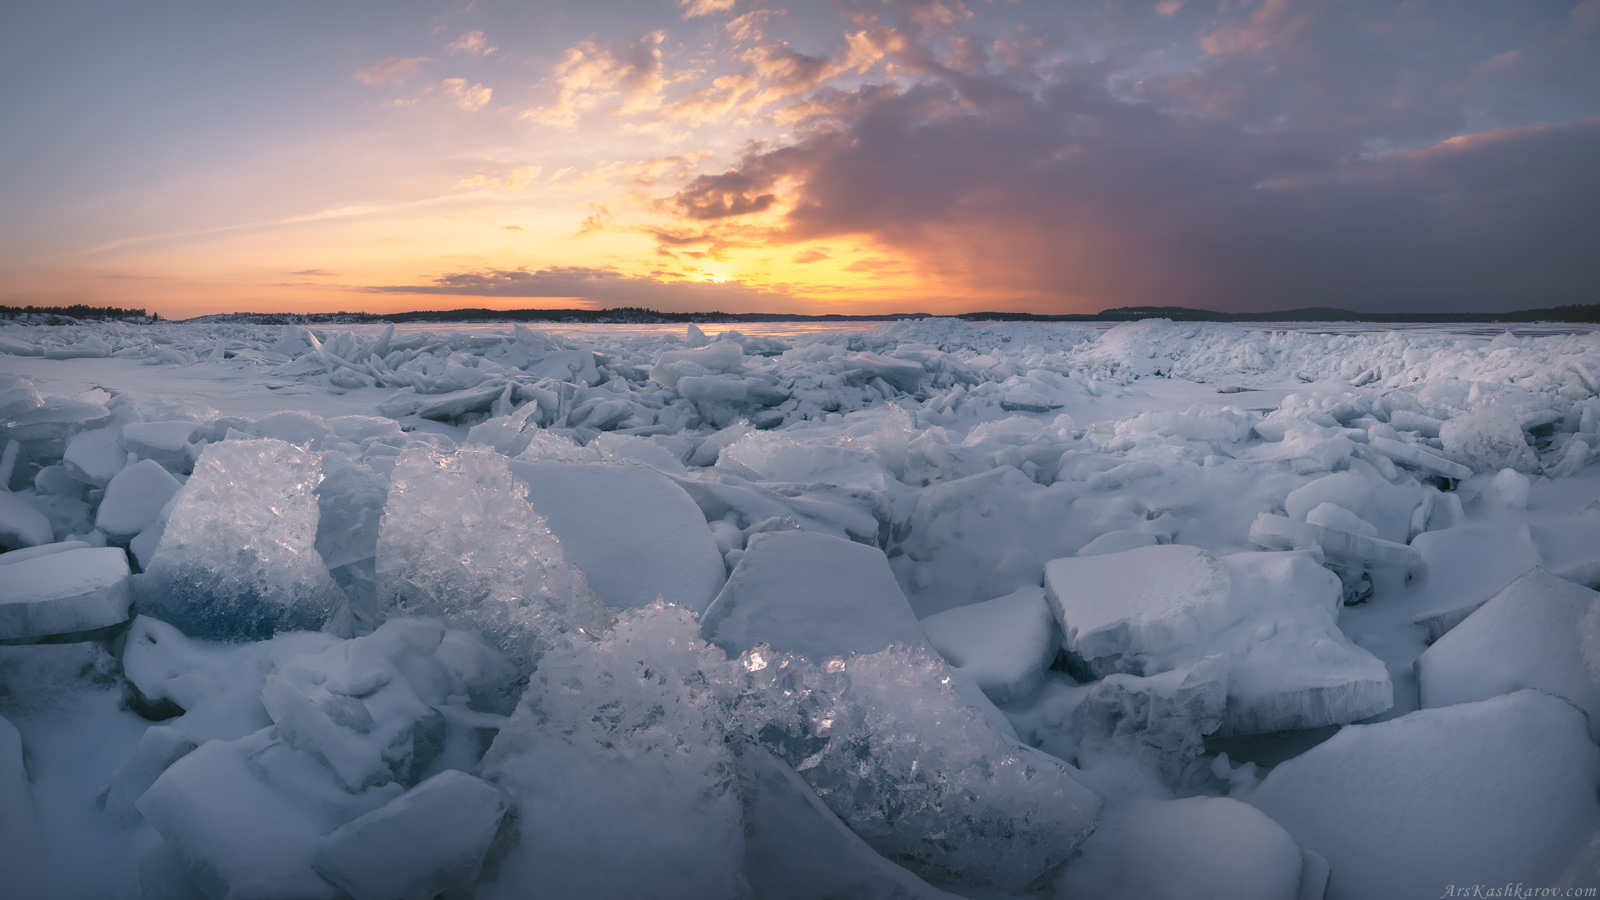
{"type": "Point", "coordinates": [459, 541]}
{"type": "Point", "coordinates": [1117, 542]}
{"type": "Point", "coordinates": [1402, 807]}
{"type": "Point", "coordinates": [1336, 518]}
{"type": "Point", "coordinates": [1529, 636]}
{"type": "Point", "coordinates": [246, 818]}
{"type": "Point", "coordinates": [165, 442]}
{"type": "Point", "coordinates": [159, 747]}
{"type": "Point", "coordinates": [1131, 611]}
{"type": "Point", "coordinates": [428, 840]}
{"type": "Point", "coordinates": [635, 534]}
{"type": "Point", "coordinates": [1340, 547]}
{"type": "Point", "coordinates": [1004, 645]}
{"type": "Point", "coordinates": [95, 456]}
{"type": "Point", "coordinates": [1194, 847]}
{"type": "Point", "coordinates": [21, 523]}
{"type": "Point", "coordinates": [1464, 566]}
{"type": "Point", "coordinates": [1509, 489]}
{"type": "Point", "coordinates": [15, 556]}
{"type": "Point", "coordinates": [1347, 489]}
{"type": "Point", "coordinates": [1272, 616]}
{"type": "Point", "coordinates": [1290, 665]}
{"type": "Point", "coordinates": [63, 593]}
{"type": "Point", "coordinates": [626, 787]}
{"type": "Point", "coordinates": [1418, 458]}
{"type": "Point", "coordinates": [789, 829]}
{"type": "Point", "coordinates": [237, 559]}
{"type": "Point", "coordinates": [134, 499]}
{"type": "Point", "coordinates": [813, 594]}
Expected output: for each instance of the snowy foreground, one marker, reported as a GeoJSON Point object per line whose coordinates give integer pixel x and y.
{"type": "Point", "coordinates": [922, 611]}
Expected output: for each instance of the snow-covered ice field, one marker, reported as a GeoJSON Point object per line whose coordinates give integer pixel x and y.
{"type": "Point", "coordinates": [932, 609]}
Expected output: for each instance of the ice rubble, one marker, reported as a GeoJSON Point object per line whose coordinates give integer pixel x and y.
{"type": "Point", "coordinates": [932, 468]}
{"type": "Point", "coordinates": [1271, 616]}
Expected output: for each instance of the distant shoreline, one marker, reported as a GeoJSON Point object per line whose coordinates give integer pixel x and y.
{"type": "Point", "coordinates": [637, 316]}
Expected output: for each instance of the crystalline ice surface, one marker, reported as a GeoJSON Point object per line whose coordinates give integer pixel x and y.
{"type": "Point", "coordinates": [1487, 439]}
{"type": "Point", "coordinates": [459, 541]}
{"type": "Point", "coordinates": [618, 762]}
{"type": "Point", "coordinates": [62, 593]}
{"type": "Point", "coordinates": [1530, 635]}
{"type": "Point", "coordinates": [1402, 807]}
{"type": "Point", "coordinates": [237, 559]}
{"type": "Point", "coordinates": [637, 536]}
{"type": "Point", "coordinates": [1165, 716]}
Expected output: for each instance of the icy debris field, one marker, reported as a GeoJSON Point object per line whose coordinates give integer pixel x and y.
{"type": "Point", "coordinates": [929, 610]}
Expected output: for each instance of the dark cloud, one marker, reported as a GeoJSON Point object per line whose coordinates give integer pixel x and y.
{"type": "Point", "coordinates": [1313, 154]}
{"type": "Point", "coordinates": [602, 288]}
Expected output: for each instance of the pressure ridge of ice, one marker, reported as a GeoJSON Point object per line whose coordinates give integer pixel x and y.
{"type": "Point", "coordinates": [927, 610]}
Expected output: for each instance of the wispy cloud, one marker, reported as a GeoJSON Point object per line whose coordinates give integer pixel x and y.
{"type": "Point", "coordinates": [464, 97]}
{"type": "Point", "coordinates": [696, 8]}
{"type": "Point", "coordinates": [392, 69]}
{"type": "Point", "coordinates": [472, 43]}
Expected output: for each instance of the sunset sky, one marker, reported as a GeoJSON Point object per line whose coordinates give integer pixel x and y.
{"type": "Point", "coordinates": [855, 156]}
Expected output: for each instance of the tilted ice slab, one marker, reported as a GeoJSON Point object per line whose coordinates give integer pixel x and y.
{"type": "Point", "coordinates": [1004, 645]}
{"type": "Point", "coordinates": [237, 559]}
{"type": "Point", "coordinates": [21, 523]}
{"type": "Point", "coordinates": [427, 841]}
{"type": "Point", "coordinates": [459, 541]}
{"type": "Point", "coordinates": [1273, 616]}
{"type": "Point", "coordinates": [62, 593]}
{"type": "Point", "coordinates": [635, 534]}
{"type": "Point", "coordinates": [788, 829]}
{"type": "Point", "coordinates": [1531, 635]}
{"type": "Point", "coordinates": [813, 594]}
{"type": "Point", "coordinates": [1495, 792]}
{"type": "Point", "coordinates": [1338, 546]}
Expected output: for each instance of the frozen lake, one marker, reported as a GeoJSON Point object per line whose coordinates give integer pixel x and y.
{"type": "Point", "coordinates": [908, 609]}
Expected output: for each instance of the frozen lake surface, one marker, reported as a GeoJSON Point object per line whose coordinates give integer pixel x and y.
{"type": "Point", "coordinates": [917, 609]}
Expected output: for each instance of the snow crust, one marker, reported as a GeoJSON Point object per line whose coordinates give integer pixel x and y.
{"type": "Point", "coordinates": [489, 611]}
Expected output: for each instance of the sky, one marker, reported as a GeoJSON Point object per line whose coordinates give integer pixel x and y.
{"type": "Point", "coordinates": [858, 156]}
